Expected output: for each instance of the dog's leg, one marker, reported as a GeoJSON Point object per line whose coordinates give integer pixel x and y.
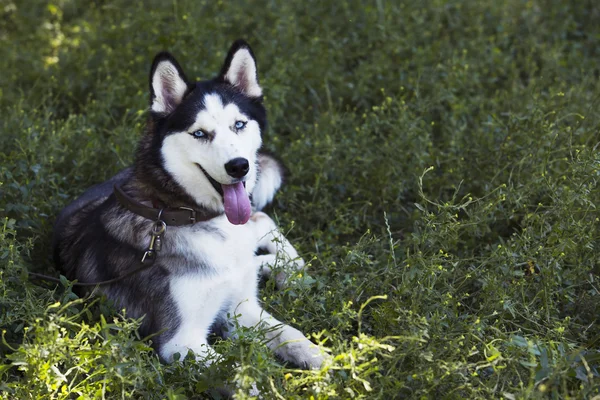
{"type": "Point", "coordinates": [265, 263]}
{"type": "Point", "coordinates": [270, 239]}
{"type": "Point", "coordinates": [287, 342]}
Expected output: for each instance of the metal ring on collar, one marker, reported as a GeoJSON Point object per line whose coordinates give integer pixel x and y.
{"type": "Point", "coordinates": [159, 228]}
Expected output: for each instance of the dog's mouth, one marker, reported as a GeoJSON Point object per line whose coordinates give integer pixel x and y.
{"type": "Point", "coordinates": [212, 181]}
{"type": "Point", "coordinates": [236, 201]}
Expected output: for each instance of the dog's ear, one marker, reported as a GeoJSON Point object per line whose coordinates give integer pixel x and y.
{"type": "Point", "coordinates": [239, 69]}
{"type": "Point", "coordinates": [168, 84]}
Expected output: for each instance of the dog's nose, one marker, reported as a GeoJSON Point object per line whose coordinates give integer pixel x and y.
{"type": "Point", "coordinates": [238, 167]}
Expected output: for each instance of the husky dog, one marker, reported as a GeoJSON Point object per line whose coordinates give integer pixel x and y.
{"type": "Point", "coordinates": [191, 201]}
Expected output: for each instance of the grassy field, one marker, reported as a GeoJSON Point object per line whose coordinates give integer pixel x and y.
{"type": "Point", "coordinates": [445, 186]}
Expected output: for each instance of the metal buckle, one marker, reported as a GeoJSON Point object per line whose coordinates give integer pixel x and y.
{"type": "Point", "coordinates": [192, 211]}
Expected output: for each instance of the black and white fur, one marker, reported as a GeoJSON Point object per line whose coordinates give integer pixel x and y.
{"type": "Point", "coordinates": [204, 271]}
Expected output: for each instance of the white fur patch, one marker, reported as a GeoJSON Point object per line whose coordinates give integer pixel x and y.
{"type": "Point", "coordinates": [168, 87]}
{"type": "Point", "coordinates": [228, 276]}
{"type": "Point", "coordinates": [242, 73]}
{"type": "Point", "coordinates": [269, 182]}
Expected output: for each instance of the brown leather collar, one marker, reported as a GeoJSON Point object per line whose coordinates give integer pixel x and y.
{"type": "Point", "coordinates": [170, 216]}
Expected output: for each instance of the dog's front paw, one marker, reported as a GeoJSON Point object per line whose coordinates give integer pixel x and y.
{"type": "Point", "coordinates": [270, 263]}
{"type": "Point", "coordinates": [304, 354]}
{"type": "Point", "coordinates": [297, 263]}
{"type": "Point", "coordinates": [289, 266]}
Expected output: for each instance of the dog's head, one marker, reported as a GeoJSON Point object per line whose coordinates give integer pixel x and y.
{"type": "Point", "coordinates": [208, 133]}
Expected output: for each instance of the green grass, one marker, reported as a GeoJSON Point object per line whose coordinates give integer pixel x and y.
{"type": "Point", "coordinates": [445, 170]}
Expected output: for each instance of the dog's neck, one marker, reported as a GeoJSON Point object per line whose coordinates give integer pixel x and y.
{"type": "Point", "coordinates": [159, 190]}
{"type": "Point", "coordinates": [180, 216]}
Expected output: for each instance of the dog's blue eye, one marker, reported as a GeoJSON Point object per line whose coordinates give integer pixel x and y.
{"type": "Point", "coordinates": [199, 134]}
{"type": "Point", "coordinates": [240, 125]}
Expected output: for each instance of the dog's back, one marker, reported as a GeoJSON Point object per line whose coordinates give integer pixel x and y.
{"type": "Point", "coordinates": [90, 199]}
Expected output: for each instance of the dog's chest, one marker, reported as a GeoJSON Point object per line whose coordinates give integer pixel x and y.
{"type": "Point", "coordinates": [225, 269]}
{"type": "Point", "coordinates": [223, 247]}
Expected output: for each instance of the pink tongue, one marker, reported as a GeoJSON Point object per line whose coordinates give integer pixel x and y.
{"type": "Point", "coordinates": [237, 203]}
